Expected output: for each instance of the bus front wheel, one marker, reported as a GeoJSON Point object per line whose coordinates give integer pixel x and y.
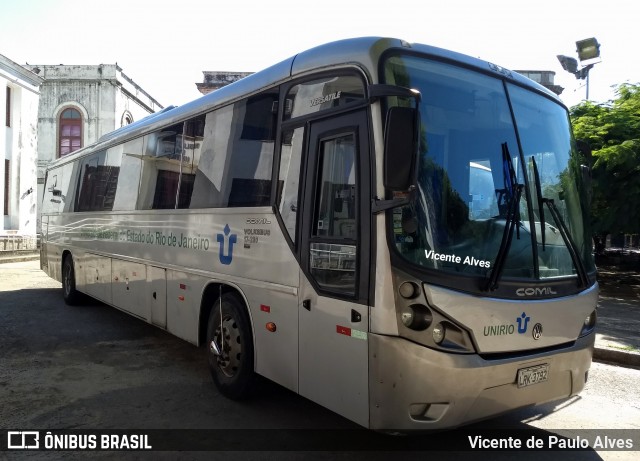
{"type": "Point", "coordinates": [230, 347]}
{"type": "Point", "coordinates": [69, 292]}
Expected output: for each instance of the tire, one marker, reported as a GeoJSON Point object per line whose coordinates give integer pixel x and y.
{"type": "Point", "coordinates": [69, 292]}
{"type": "Point", "coordinates": [233, 370]}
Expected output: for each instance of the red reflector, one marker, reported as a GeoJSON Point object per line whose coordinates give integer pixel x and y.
{"type": "Point", "coordinates": [183, 286]}
{"type": "Point", "coordinates": [181, 298]}
{"type": "Point", "coordinates": [264, 308]}
{"type": "Point", "coordinates": [271, 327]}
{"type": "Point", "coordinates": [343, 330]}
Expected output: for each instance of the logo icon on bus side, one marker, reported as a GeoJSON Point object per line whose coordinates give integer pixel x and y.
{"type": "Point", "coordinates": [523, 321]}
{"type": "Point", "coordinates": [233, 238]}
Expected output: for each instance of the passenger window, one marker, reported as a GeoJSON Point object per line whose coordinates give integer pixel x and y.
{"type": "Point", "coordinates": [129, 177]}
{"type": "Point", "coordinates": [98, 182]}
{"type": "Point", "coordinates": [236, 158]}
{"type": "Point", "coordinates": [59, 189]}
{"type": "Point", "coordinates": [192, 145]}
{"type": "Point", "coordinates": [52, 202]}
{"type": "Point", "coordinates": [289, 178]}
{"type": "Point", "coordinates": [161, 168]}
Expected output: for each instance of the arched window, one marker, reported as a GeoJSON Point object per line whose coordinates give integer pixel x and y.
{"type": "Point", "coordinates": [70, 136]}
{"type": "Point", "coordinates": [127, 118]}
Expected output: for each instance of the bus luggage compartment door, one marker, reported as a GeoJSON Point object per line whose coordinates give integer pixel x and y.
{"type": "Point", "coordinates": [94, 276]}
{"type": "Point", "coordinates": [128, 287]}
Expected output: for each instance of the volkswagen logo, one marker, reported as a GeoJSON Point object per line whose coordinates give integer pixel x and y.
{"type": "Point", "coordinates": [537, 331]}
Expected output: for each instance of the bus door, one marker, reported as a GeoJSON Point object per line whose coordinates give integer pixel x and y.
{"type": "Point", "coordinates": [335, 235]}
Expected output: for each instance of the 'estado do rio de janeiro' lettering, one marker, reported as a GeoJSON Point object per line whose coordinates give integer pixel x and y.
{"type": "Point", "coordinates": [171, 240]}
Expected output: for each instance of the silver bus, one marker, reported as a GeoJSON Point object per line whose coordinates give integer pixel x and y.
{"type": "Point", "coordinates": [394, 231]}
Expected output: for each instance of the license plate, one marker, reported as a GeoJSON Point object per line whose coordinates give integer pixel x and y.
{"type": "Point", "coordinates": [533, 375]}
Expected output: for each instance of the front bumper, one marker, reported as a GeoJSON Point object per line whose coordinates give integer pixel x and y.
{"type": "Point", "coordinates": [413, 387]}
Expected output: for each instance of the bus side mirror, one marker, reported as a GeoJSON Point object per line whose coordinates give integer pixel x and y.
{"type": "Point", "coordinates": [400, 146]}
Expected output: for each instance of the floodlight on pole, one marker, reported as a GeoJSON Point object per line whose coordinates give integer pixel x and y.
{"type": "Point", "coordinates": [568, 64]}
{"type": "Point", "coordinates": [588, 50]}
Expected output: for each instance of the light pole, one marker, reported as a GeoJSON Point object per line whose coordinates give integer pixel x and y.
{"type": "Point", "coordinates": [588, 50]}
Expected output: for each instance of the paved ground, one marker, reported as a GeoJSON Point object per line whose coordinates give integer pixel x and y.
{"type": "Point", "coordinates": [618, 330]}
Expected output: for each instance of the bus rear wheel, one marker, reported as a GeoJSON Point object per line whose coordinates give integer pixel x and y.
{"type": "Point", "coordinates": [69, 292]}
{"type": "Point", "coordinates": [230, 347]}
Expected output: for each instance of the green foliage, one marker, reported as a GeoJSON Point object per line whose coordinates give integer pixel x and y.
{"type": "Point", "coordinates": [613, 132]}
{"type": "Point", "coordinates": [616, 189]}
{"type": "Point", "coordinates": [604, 125]}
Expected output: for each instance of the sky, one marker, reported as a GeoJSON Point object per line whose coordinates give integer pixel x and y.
{"type": "Point", "coordinates": [165, 45]}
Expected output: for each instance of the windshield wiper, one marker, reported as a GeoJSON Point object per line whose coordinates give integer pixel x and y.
{"type": "Point", "coordinates": [571, 246]}
{"type": "Point", "coordinates": [536, 178]}
{"type": "Point", "coordinates": [513, 191]}
{"type": "Point", "coordinates": [564, 230]}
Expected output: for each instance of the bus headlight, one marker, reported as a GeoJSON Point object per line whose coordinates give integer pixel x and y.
{"type": "Point", "coordinates": [424, 324]}
{"type": "Point", "coordinates": [438, 333]}
{"type": "Point", "coordinates": [449, 336]}
{"type": "Point", "coordinates": [416, 316]}
{"type": "Point", "coordinates": [589, 323]}
{"type": "Point", "coordinates": [408, 290]}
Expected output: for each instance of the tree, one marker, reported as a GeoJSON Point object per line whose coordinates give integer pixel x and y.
{"type": "Point", "coordinates": [613, 133]}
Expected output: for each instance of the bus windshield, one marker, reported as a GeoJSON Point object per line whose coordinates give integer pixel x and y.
{"type": "Point", "coordinates": [499, 179]}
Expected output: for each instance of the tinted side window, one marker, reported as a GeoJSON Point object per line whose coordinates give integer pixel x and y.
{"type": "Point", "coordinates": [192, 149]}
{"type": "Point", "coordinates": [289, 178]}
{"type": "Point", "coordinates": [129, 177]}
{"type": "Point", "coordinates": [236, 156]}
{"type": "Point", "coordinates": [52, 199]}
{"type": "Point", "coordinates": [98, 182]}
{"type": "Point", "coordinates": [160, 174]}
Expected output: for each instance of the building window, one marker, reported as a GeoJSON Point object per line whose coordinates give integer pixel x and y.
{"type": "Point", "coordinates": [7, 175]}
{"type": "Point", "coordinates": [127, 119]}
{"type": "Point", "coordinates": [8, 107]}
{"type": "Point", "coordinates": [70, 132]}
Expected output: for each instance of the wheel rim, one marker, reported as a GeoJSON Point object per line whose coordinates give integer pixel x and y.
{"type": "Point", "coordinates": [227, 337]}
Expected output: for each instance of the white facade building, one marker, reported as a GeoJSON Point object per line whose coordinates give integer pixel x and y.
{"type": "Point", "coordinates": [19, 96]}
{"type": "Point", "coordinates": [79, 104]}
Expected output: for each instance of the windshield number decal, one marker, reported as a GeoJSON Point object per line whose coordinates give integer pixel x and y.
{"type": "Point", "coordinates": [451, 258]}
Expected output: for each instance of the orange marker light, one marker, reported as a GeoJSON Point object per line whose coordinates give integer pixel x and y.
{"type": "Point", "coordinates": [271, 327]}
